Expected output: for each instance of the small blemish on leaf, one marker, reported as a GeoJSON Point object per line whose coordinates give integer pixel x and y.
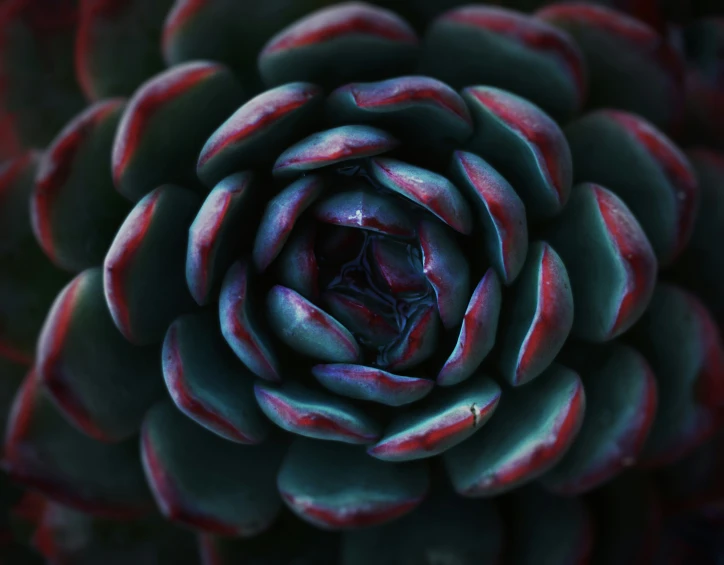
{"type": "Point", "coordinates": [476, 414]}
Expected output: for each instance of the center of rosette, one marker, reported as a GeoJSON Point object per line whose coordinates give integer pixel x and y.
{"type": "Point", "coordinates": [370, 264]}
{"type": "Point", "coordinates": [362, 253]}
{"type": "Point", "coordinates": [372, 283]}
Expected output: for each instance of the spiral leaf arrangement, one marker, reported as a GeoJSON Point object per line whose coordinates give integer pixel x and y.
{"type": "Point", "coordinates": [370, 280]}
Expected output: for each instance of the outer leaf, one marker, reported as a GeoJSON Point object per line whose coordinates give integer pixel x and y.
{"type": "Point", "coordinates": [228, 31]}
{"type": "Point", "coordinates": [40, 93]}
{"type": "Point", "coordinates": [621, 401]}
{"type": "Point", "coordinates": [685, 352]}
{"type": "Point", "coordinates": [701, 265]}
{"type": "Point", "coordinates": [116, 45]}
{"type": "Point", "coordinates": [529, 434]}
{"type": "Point", "coordinates": [337, 486]}
{"type": "Point", "coordinates": [444, 529]}
{"type": "Point", "coordinates": [481, 44]}
{"type": "Point", "coordinates": [257, 132]}
{"type": "Point", "coordinates": [206, 482]}
{"type": "Point", "coordinates": [75, 208]}
{"type": "Point", "coordinates": [143, 273]}
{"type": "Point", "coordinates": [102, 383]}
{"type": "Point", "coordinates": [651, 175]}
{"type": "Point", "coordinates": [208, 383]}
{"type": "Point", "coordinates": [45, 452]}
{"type": "Point", "coordinates": [166, 123]}
{"type": "Point", "coordinates": [525, 145]}
{"type": "Point", "coordinates": [630, 65]}
{"type": "Point", "coordinates": [339, 44]}
{"type": "Point", "coordinates": [609, 260]}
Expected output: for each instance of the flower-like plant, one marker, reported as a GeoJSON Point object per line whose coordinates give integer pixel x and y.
{"type": "Point", "coordinates": [302, 294]}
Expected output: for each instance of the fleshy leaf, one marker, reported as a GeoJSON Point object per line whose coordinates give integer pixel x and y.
{"type": "Point", "coordinates": [336, 486]}
{"type": "Point", "coordinates": [371, 383]}
{"type": "Point", "coordinates": [207, 383]}
{"type": "Point", "coordinates": [331, 147]}
{"type": "Point", "coordinates": [367, 317]}
{"type": "Point", "coordinates": [227, 31]}
{"type": "Point", "coordinates": [224, 222]}
{"type": "Point", "coordinates": [621, 400]}
{"type": "Point", "coordinates": [280, 215]}
{"type": "Point", "coordinates": [501, 214]}
{"type": "Point", "coordinates": [208, 483]}
{"type": "Point", "coordinates": [418, 340]}
{"type": "Point", "coordinates": [444, 529]}
{"type": "Point", "coordinates": [427, 189]}
{"type": "Point", "coordinates": [297, 266]}
{"type": "Point", "coordinates": [420, 110]}
{"type": "Point", "coordinates": [241, 325]}
{"type": "Point", "coordinates": [447, 271]}
{"type": "Point", "coordinates": [630, 65]}
{"type": "Point", "coordinates": [481, 44]}
{"type": "Point", "coordinates": [316, 414]}
{"type": "Point", "coordinates": [366, 210]}
{"type": "Point", "coordinates": [539, 319]}
{"type": "Point", "coordinates": [397, 265]}
{"type": "Point", "coordinates": [450, 418]}
{"type": "Point", "coordinates": [166, 123]}
{"type": "Point", "coordinates": [144, 271]}
{"type": "Point", "coordinates": [309, 330]}
{"type": "Point", "coordinates": [43, 451]}
{"type": "Point", "coordinates": [260, 130]}
{"type": "Point", "coordinates": [529, 433]}
{"type": "Point", "coordinates": [651, 175]}
{"type": "Point", "coordinates": [116, 45]}
{"type": "Point", "coordinates": [477, 333]}
{"type": "Point", "coordinates": [75, 208]}
{"type": "Point", "coordinates": [609, 260]}
{"type": "Point", "coordinates": [685, 353]}
{"type": "Point", "coordinates": [339, 44]}
{"type": "Point", "coordinates": [101, 383]}
{"type": "Point", "coordinates": [525, 145]}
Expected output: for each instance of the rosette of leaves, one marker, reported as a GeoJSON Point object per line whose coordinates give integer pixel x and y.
{"type": "Point", "coordinates": [405, 273]}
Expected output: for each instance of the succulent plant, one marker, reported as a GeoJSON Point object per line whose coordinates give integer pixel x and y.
{"type": "Point", "coordinates": [328, 271]}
